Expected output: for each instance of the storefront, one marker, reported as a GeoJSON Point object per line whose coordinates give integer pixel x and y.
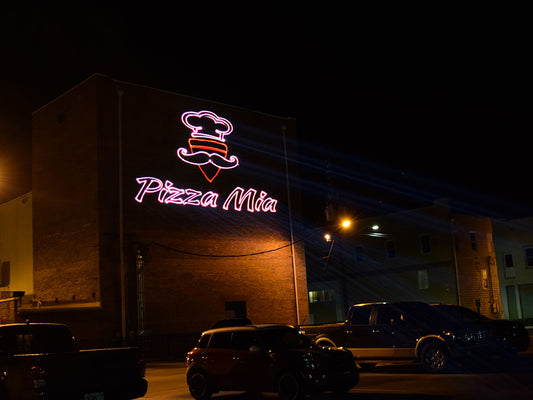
{"type": "Point", "coordinates": [159, 214]}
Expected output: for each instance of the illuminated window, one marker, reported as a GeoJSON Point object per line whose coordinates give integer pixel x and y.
{"type": "Point", "coordinates": [320, 296]}
{"type": "Point", "coordinates": [485, 279]}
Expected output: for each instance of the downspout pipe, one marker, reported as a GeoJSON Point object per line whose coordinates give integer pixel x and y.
{"type": "Point", "coordinates": [291, 228]}
{"type": "Point", "coordinates": [120, 93]}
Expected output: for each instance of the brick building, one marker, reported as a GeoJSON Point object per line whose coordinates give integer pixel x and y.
{"type": "Point", "coordinates": [159, 214]}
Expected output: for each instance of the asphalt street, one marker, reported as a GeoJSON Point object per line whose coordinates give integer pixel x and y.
{"type": "Point", "coordinates": [166, 381]}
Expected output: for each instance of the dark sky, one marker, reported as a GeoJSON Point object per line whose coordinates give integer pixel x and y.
{"type": "Point", "coordinates": [403, 101]}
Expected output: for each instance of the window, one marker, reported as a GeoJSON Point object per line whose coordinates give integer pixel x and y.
{"type": "Point", "coordinates": [204, 340]}
{"type": "Point", "coordinates": [485, 279]}
{"type": "Point", "coordinates": [529, 256]}
{"type": "Point", "coordinates": [473, 241]}
{"type": "Point", "coordinates": [220, 340]}
{"type": "Point", "coordinates": [318, 296]}
{"type": "Point", "coordinates": [423, 280]}
{"type": "Point", "coordinates": [388, 316]}
{"type": "Point", "coordinates": [360, 315]}
{"type": "Point", "coordinates": [391, 249]}
{"type": "Point", "coordinates": [425, 244]}
{"type": "Point", "coordinates": [508, 263]}
{"type": "Point", "coordinates": [5, 274]}
{"type": "Point", "coordinates": [243, 340]}
{"type": "Point", "coordinates": [235, 309]}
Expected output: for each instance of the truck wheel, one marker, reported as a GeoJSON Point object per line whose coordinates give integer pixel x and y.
{"type": "Point", "coordinates": [199, 385]}
{"type": "Point", "coordinates": [435, 357]}
{"type": "Point", "coordinates": [290, 387]}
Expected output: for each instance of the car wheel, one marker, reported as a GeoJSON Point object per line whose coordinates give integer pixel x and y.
{"type": "Point", "coordinates": [199, 385]}
{"type": "Point", "coordinates": [290, 387]}
{"type": "Point", "coordinates": [434, 357]}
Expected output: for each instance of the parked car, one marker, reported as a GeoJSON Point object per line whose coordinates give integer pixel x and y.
{"type": "Point", "coordinates": [406, 332]}
{"type": "Point", "coordinates": [502, 336]}
{"type": "Point", "coordinates": [42, 361]}
{"type": "Point", "coordinates": [266, 358]}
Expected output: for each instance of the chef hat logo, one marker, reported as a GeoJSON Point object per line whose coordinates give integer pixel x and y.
{"type": "Point", "coordinates": [207, 148]}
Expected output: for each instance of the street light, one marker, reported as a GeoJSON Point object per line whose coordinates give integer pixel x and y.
{"type": "Point", "coordinates": [344, 225]}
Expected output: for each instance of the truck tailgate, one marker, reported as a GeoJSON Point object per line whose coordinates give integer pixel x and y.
{"type": "Point", "coordinates": [96, 372]}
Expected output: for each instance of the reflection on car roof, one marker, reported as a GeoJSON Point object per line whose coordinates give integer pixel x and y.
{"type": "Point", "coordinates": [249, 328]}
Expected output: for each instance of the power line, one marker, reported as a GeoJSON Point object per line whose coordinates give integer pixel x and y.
{"type": "Point", "coordinates": [224, 255]}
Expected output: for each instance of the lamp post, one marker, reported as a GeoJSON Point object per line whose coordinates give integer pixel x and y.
{"type": "Point", "coordinates": [372, 230]}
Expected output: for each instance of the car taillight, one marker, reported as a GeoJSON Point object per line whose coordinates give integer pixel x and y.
{"type": "Point", "coordinates": [38, 374]}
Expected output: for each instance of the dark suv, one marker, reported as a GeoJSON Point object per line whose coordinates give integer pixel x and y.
{"type": "Point", "coordinates": [266, 358]}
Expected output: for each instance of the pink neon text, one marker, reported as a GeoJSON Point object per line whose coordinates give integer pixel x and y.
{"type": "Point", "coordinates": [167, 193]}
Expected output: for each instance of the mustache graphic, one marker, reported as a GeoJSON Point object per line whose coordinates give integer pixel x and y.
{"type": "Point", "coordinates": [203, 158]}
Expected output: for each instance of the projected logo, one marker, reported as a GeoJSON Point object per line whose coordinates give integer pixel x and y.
{"type": "Point", "coordinates": [207, 147]}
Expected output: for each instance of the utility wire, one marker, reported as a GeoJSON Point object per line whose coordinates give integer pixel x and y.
{"type": "Point", "coordinates": [237, 255]}
{"type": "Point", "coordinates": [225, 255]}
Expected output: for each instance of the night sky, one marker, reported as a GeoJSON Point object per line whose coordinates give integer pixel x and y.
{"type": "Point", "coordinates": [397, 103]}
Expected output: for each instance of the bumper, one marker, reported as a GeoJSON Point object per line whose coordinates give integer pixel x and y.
{"type": "Point", "coordinates": [133, 391]}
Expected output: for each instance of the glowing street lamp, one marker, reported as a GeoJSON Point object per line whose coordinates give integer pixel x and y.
{"type": "Point", "coordinates": [344, 225]}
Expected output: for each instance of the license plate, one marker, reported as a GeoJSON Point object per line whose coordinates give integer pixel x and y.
{"type": "Point", "coordinates": [94, 396]}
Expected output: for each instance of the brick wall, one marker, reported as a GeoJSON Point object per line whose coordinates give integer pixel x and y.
{"type": "Point", "coordinates": [65, 212]}
{"type": "Point", "coordinates": [9, 310]}
{"type": "Point", "coordinates": [476, 264]}
{"type": "Point", "coordinates": [77, 231]}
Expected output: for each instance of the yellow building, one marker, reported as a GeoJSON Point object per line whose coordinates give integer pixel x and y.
{"type": "Point", "coordinates": [16, 254]}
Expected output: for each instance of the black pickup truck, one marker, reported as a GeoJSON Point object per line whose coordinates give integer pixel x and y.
{"type": "Point", "coordinates": [415, 331]}
{"type": "Point", "coordinates": [42, 361]}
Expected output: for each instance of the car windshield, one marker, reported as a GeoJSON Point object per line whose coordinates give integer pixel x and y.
{"type": "Point", "coordinates": [285, 338]}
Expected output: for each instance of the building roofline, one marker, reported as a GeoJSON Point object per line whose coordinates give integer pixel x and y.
{"type": "Point", "coordinates": [120, 82]}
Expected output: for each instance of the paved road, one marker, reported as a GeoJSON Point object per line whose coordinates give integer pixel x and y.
{"type": "Point", "coordinates": [166, 381]}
